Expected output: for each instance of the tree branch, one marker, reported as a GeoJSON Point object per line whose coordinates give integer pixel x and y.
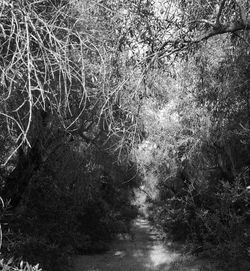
{"type": "Point", "coordinates": [203, 21]}
{"type": "Point", "coordinates": [228, 28]}
{"type": "Point", "coordinates": [220, 12]}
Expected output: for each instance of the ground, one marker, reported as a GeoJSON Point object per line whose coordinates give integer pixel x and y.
{"type": "Point", "coordinates": [142, 252]}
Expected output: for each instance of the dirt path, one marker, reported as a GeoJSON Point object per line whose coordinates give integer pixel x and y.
{"type": "Point", "coordinates": [144, 253]}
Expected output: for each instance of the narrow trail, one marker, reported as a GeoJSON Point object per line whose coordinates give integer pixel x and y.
{"type": "Point", "coordinates": [144, 253]}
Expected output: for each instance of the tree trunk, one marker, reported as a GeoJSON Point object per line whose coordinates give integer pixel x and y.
{"type": "Point", "coordinates": [20, 177]}
{"type": "Point", "coordinates": [28, 161]}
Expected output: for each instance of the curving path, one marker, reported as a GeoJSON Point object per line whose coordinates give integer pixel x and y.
{"type": "Point", "coordinates": [144, 253]}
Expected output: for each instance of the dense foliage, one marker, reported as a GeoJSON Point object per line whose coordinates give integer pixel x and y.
{"type": "Point", "coordinates": [71, 206]}
{"type": "Point", "coordinates": [86, 84]}
{"type": "Point", "coordinates": [198, 148]}
{"type": "Point", "coordinates": [66, 132]}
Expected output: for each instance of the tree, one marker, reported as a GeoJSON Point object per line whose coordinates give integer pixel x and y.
{"type": "Point", "coordinates": [62, 80]}
{"type": "Point", "coordinates": [69, 118]}
{"type": "Point", "coordinates": [205, 136]}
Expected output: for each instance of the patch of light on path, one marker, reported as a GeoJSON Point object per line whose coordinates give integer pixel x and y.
{"type": "Point", "coordinates": [159, 255]}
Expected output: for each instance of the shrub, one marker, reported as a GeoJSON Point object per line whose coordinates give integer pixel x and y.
{"type": "Point", "coordinates": [64, 212]}
{"type": "Point", "coordinates": [214, 219]}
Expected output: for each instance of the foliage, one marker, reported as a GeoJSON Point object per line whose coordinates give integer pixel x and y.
{"type": "Point", "coordinates": [83, 83]}
{"type": "Point", "coordinates": [69, 68]}
{"type": "Point", "coordinates": [36, 61]}
{"type": "Point", "coordinates": [198, 149]}
{"type": "Point", "coordinates": [216, 222]}
{"type": "Point", "coordinates": [72, 205]}
{"type": "Point", "coordinates": [23, 266]}
{"type": "Point", "coordinates": [67, 126]}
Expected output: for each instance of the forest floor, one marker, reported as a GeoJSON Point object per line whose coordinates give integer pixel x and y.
{"type": "Point", "coordinates": [144, 252]}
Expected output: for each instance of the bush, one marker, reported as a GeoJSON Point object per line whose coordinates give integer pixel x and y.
{"type": "Point", "coordinates": [214, 219]}
{"type": "Point", "coordinates": [64, 213]}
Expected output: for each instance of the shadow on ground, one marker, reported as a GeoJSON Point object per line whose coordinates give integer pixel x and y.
{"type": "Point", "coordinates": [144, 253]}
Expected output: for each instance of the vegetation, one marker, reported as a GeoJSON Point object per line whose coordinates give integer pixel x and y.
{"type": "Point", "coordinates": [66, 179]}
{"type": "Point", "coordinates": [96, 97]}
{"type": "Point", "coordinates": [198, 142]}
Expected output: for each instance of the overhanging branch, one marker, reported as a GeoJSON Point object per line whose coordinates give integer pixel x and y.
{"type": "Point", "coordinates": [228, 28]}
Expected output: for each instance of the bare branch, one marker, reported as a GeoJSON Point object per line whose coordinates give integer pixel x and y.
{"type": "Point", "coordinates": [204, 21]}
